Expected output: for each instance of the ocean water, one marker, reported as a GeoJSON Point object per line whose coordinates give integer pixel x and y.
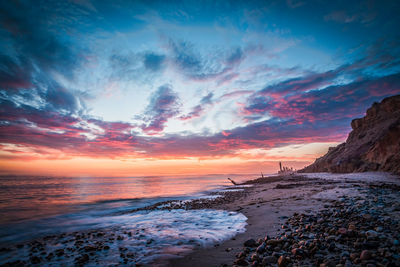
{"type": "Point", "coordinates": [25, 198]}
{"type": "Point", "coordinates": [35, 207]}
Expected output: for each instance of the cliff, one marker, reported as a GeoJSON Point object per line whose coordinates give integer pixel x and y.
{"type": "Point", "coordinates": [372, 145]}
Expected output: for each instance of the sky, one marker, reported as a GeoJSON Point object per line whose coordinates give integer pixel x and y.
{"type": "Point", "coordinates": [127, 88]}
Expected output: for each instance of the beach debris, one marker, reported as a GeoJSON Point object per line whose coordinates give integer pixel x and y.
{"type": "Point", "coordinates": [233, 182]}
{"type": "Point", "coordinates": [285, 170]}
{"type": "Point", "coordinates": [340, 234]}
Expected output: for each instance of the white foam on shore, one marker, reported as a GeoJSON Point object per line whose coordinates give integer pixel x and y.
{"type": "Point", "coordinates": [148, 236]}
{"type": "Point", "coordinates": [178, 231]}
{"type": "Point", "coordinates": [154, 235]}
{"type": "Point", "coordinates": [245, 185]}
{"type": "Point", "coordinates": [233, 190]}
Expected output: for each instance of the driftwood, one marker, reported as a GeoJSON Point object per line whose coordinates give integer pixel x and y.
{"type": "Point", "coordinates": [233, 182]}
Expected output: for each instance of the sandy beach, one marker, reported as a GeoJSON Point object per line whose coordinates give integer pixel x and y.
{"type": "Point", "coordinates": [200, 133]}
{"type": "Point", "coordinates": [271, 201]}
{"type": "Point", "coordinates": [317, 219]}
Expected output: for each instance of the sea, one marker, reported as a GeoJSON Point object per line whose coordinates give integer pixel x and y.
{"type": "Point", "coordinates": [34, 207]}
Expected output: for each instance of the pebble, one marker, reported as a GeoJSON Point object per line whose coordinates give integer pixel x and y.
{"type": "Point", "coordinates": [35, 260]}
{"type": "Point", "coordinates": [342, 231]}
{"type": "Point", "coordinates": [81, 260]}
{"type": "Point", "coordinates": [371, 233]}
{"type": "Point", "coordinates": [250, 243]}
{"type": "Point", "coordinates": [269, 260]}
{"type": "Point", "coordinates": [365, 255]}
{"type": "Point", "coordinates": [354, 231]}
{"type": "Point", "coordinates": [241, 262]}
{"type": "Point", "coordinates": [352, 227]}
{"type": "Point", "coordinates": [283, 261]}
{"type": "Point", "coordinates": [261, 248]}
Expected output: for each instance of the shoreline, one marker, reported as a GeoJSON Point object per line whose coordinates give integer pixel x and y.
{"type": "Point", "coordinates": [130, 236]}
{"type": "Point", "coordinates": [269, 204]}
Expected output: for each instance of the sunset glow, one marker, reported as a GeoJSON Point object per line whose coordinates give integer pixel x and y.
{"type": "Point", "coordinates": [90, 88]}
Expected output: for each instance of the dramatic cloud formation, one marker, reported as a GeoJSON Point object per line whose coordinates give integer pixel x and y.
{"type": "Point", "coordinates": [205, 81]}
{"type": "Point", "coordinates": [164, 104]}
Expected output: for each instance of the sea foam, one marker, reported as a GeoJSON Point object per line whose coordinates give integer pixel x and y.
{"type": "Point", "coordinates": [141, 237]}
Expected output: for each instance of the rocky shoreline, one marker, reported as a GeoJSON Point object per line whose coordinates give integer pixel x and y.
{"type": "Point", "coordinates": [307, 220]}
{"type": "Point", "coordinates": [81, 248]}
{"type": "Point", "coordinates": [352, 231]}
{"type": "Point", "coordinates": [293, 220]}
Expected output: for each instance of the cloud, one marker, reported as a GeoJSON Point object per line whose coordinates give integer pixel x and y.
{"type": "Point", "coordinates": [33, 57]}
{"type": "Point", "coordinates": [125, 66]}
{"type": "Point", "coordinates": [45, 131]}
{"type": "Point", "coordinates": [336, 101]}
{"type": "Point", "coordinates": [153, 61]}
{"type": "Point", "coordinates": [138, 67]}
{"type": "Point", "coordinates": [225, 133]}
{"type": "Point", "coordinates": [294, 3]}
{"type": "Point", "coordinates": [207, 99]}
{"type": "Point", "coordinates": [324, 95]}
{"type": "Point", "coordinates": [236, 93]}
{"type": "Point", "coordinates": [227, 78]}
{"type": "Point", "coordinates": [341, 17]}
{"type": "Point", "coordinates": [235, 57]}
{"type": "Point", "coordinates": [164, 104]}
{"type": "Point", "coordinates": [184, 57]}
{"type": "Point", "coordinates": [314, 116]}
{"type": "Point", "coordinates": [216, 65]}
{"type": "Point", "coordinates": [304, 83]}
{"type": "Point", "coordinates": [359, 12]}
{"type": "Point", "coordinates": [114, 143]}
{"type": "Point", "coordinates": [14, 75]}
{"type": "Point", "coordinates": [198, 110]}
{"type": "Point", "coordinates": [12, 113]}
{"type": "Point", "coordinates": [265, 134]}
{"type": "Point", "coordinates": [43, 111]}
{"type": "Point", "coordinates": [34, 43]}
{"type": "Point", "coordinates": [61, 99]}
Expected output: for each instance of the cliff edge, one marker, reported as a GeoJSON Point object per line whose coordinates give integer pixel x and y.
{"type": "Point", "coordinates": [372, 145]}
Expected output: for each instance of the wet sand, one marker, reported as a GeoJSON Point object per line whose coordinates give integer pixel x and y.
{"type": "Point", "coordinates": [276, 208]}
{"type": "Point", "coordinates": [268, 205]}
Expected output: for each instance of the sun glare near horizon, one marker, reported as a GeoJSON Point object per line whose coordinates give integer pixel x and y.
{"type": "Point", "coordinates": [96, 88]}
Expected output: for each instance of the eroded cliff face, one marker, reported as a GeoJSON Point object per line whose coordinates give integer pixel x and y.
{"type": "Point", "coordinates": [372, 145]}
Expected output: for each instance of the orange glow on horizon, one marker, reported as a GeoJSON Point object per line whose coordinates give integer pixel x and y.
{"type": "Point", "coordinates": [244, 161]}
